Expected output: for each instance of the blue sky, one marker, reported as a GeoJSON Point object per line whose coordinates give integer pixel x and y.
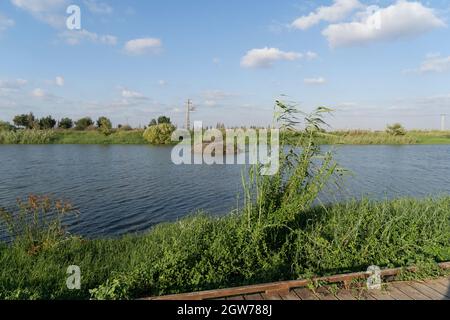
{"type": "Point", "coordinates": [374, 62]}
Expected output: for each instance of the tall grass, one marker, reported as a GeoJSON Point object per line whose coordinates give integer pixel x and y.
{"type": "Point", "coordinates": [280, 234]}
{"type": "Point", "coordinates": [27, 137]}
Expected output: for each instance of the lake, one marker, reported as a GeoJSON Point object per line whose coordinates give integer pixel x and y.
{"type": "Point", "coordinates": [123, 189]}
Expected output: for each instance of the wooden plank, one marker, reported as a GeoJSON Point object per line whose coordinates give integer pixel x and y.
{"type": "Point", "coordinates": [410, 291]}
{"type": "Point", "coordinates": [256, 296]}
{"type": "Point", "coordinates": [346, 294]}
{"type": "Point", "coordinates": [305, 294]}
{"type": "Point", "coordinates": [270, 296]}
{"type": "Point", "coordinates": [397, 294]}
{"type": "Point", "coordinates": [235, 298]}
{"type": "Point", "coordinates": [432, 294]}
{"type": "Point", "coordinates": [324, 294]}
{"type": "Point", "coordinates": [436, 286]}
{"type": "Point", "coordinates": [445, 282]}
{"type": "Point", "coordinates": [289, 296]}
{"type": "Point", "coordinates": [282, 285]}
{"type": "Point", "coordinates": [382, 295]}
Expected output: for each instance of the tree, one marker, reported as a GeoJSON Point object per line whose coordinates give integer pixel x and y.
{"type": "Point", "coordinates": [47, 123]}
{"type": "Point", "coordinates": [65, 123]}
{"type": "Point", "coordinates": [396, 130]}
{"type": "Point", "coordinates": [6, 126]}
{"type": "Point", "coordinates": [164, 119]}
{"type": "Point", "coordinates": [159, 134]}
{"type": "Point", "coordinates": [27, 121]}
{"type": "Point", "coordinates": [104, 125]}
{"type": "Point", "coordinates": [153, 123]}
{"type": "Point", "coordinates": [83, 123]}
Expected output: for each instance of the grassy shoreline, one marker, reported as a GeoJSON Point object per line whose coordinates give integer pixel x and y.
{"type": "Point", "coordinates": [134, 137]}
{"type": "Point", "coordinates": [203, 252]}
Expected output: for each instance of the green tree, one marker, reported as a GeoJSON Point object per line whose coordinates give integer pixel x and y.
{"type": "Point", "coordinates": [104, 125]}
{"type": "Point", "coordinates": [65, 123]}
{"type": "Point", "coordinates": [83, 123]}
{"type": "Point", "coordinates": [153, 123]}
{"type": "Point", "coordinates": [47, 123]}
{"type": "Point", "coordinates": [396, 130]}
{"type": "Point", "coordinates": [6, 126]}
{"type": "Point", "coordinates": [27, 121]}
{"type": "Point", "coordinates": [159, 134]}
{"type": "Point", "coordinates": [164, 119]}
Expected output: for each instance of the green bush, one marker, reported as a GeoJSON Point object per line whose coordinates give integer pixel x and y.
{"type": "Point", "coordinates": [104, 125]}
{"type": "Point", "coordinates": [159, 134]}
{"type": "Point", "coordinates": [396, 130]}
{"type": "Point", "coordinates": [47, 123]}
{"type": "Point", "coordinates": [27, 137]}
{"type": "Point", "coordinates": [84, 123]}
{"type": "Point", "coordinates": [65, 123]}
{"type": "Point", "coordinates": [6, 126]}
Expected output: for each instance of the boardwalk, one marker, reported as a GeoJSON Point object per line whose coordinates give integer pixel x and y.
{"type": "Point", "coordinates": [438, 289]}
{"type": "Point", "coordinates": [435, 289]}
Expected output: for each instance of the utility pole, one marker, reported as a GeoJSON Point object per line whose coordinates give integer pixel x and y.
{"type": "Point", "coordinates": [189, 108]}
{"type": "Point", "coordinates": [443, 122]}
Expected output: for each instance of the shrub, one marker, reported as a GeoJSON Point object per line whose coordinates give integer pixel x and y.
{"type": "Point", "coordinates": [104, 125]}
{"type": "Point", "coordinates": [6, 126]}
{"type": "Point", "coordinates": [27, 137]}
{"type": "Point", "coordinates": [159, 134]}
{"type": "Point", "coordinates": [83, 123]}
{"type": "Point", "coordinates": [396, 130]}
{"type": "Point", "coordinates": [38, 222]}
{"type": "Point", "coordinates": [65, 123]}
{"type": "Point", "coordinates": [27, 121]}
{"type": "Point", "coordinates": [47, 123]}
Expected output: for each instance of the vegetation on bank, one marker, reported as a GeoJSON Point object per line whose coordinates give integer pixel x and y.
{"type": "Point", "coordinates": [279, 234]}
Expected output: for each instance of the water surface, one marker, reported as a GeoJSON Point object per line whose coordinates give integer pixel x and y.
{"type": "Point", "coordinates": [122, 189]}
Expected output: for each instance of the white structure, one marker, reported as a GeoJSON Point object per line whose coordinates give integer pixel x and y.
{"type": "Point", "coordinates": [443, 122]}
{"type": "Point", "coordinates": [189, 109]}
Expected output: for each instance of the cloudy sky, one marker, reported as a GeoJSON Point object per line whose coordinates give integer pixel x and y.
{"type": "Point", "coordinates": [373, 61]}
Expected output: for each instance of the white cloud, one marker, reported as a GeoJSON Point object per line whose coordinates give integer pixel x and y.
{"type": "Point", "coordinates": [266, 57]}
{"type": "Point", "coordinates": [435, 63]}
{"type": "Point", "coordinates": [143, 46]}
{"type": "Point", "coordinates": [51, 12]}
{"type": "Point", "coordinates": [98, 7]}
{"type": "Point", "coordinates": [401, 20]}
{"type": "Point", "coordinates": [314, 81]}
{"type": "Point", "coordinates": [5, 22]}
{"type": "Point", "coordinates": [59, 81]}
{"type": "Point", "coordinates": [128, 94]}
{"type": "Point", "coordinates": [216, 60]}
{"type": "Point", "coordinates": [334, 13]}
{"type": "Point", "coordinates": [38, 93]}
{"type": "Point", "coordinates": [162, 83]}
{"type": "Point", "coordinates": [75, 37]}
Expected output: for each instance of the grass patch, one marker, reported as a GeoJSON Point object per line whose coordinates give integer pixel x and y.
{"type": "Point", "coordinates": [95, 137]}
{"type": "Point", "coordinates": [201, 252]}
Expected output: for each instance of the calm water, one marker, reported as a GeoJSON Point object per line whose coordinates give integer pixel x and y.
{"type": "Point", "coordinates": [121, 189]}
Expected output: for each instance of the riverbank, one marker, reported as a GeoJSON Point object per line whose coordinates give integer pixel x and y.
{"type": "Point", "coordinates": [135, 137]}
{"type": "Point", "coordinates": [202, 252]}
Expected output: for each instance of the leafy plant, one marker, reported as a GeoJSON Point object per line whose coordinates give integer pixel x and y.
{"type": "Point", "coordinates": [83, 123]}
{"type": "Point", "coordinates": [159, 134]}
{"type": "Point", "coordinates": [47, 123]}
{"type": "Point", "coordinates": [65, 123]}
{"type": "Point", "coordinates": [37, 224]}
{"type": "Point", "coordinates": [396, 129]}
{"type": "Point", "coordinates": [104, 125]}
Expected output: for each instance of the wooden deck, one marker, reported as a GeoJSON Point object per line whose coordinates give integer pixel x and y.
{"type": "Point", "coordinates": [438, 289]}
{"type": "Point", "coordinates": [339, 287]}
